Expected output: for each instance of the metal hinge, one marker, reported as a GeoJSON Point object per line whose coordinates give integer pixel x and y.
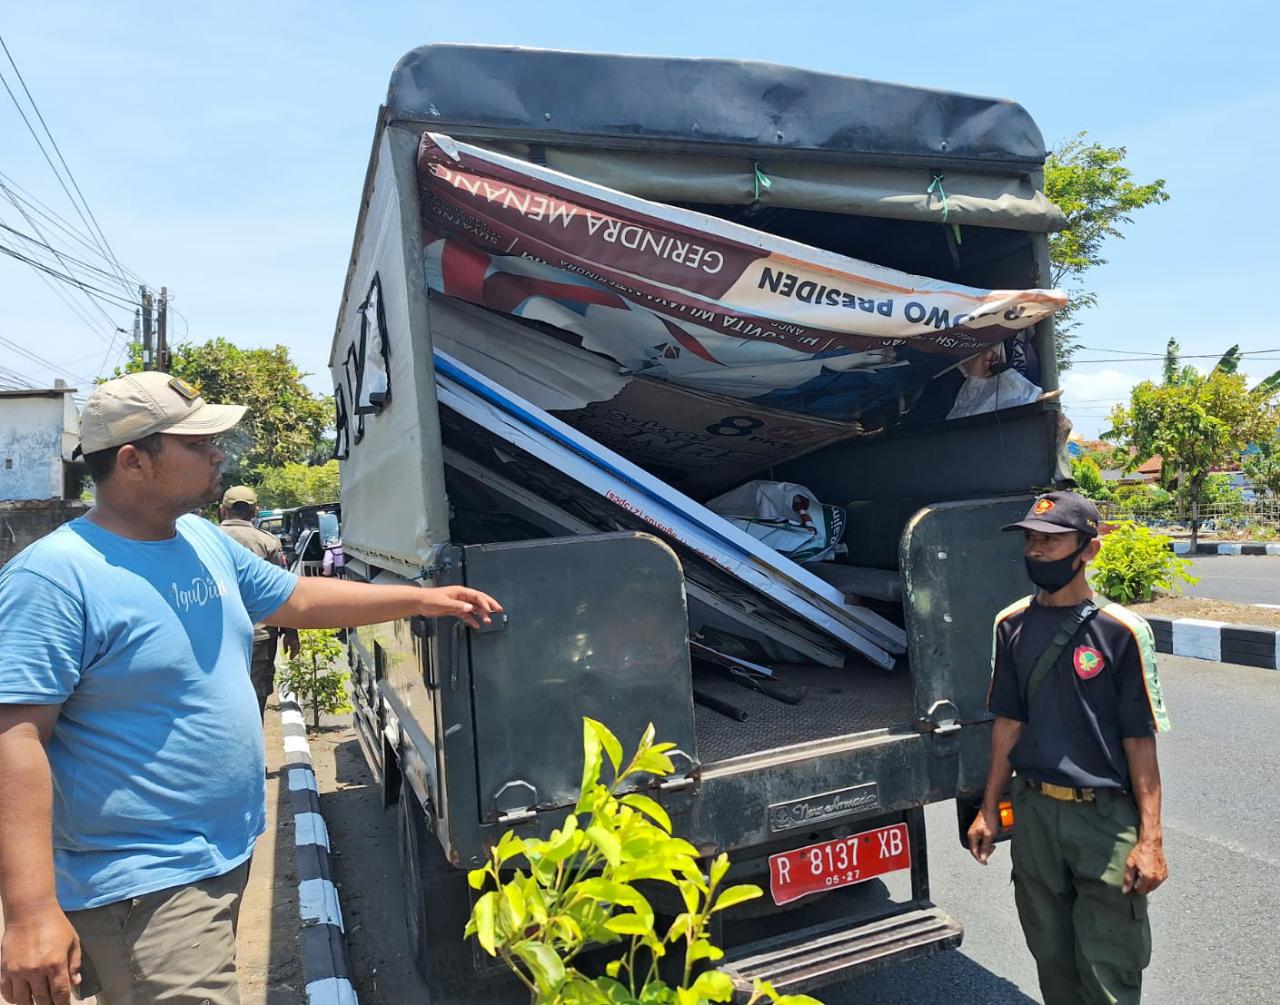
{"type": "Point", "coordinates": [517, 816]}
{"type": "Point", "coordinates": [676, 784]}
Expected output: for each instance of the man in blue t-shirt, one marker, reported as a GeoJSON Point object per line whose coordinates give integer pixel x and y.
{"type": "Point", "coordinates": [130, 742]}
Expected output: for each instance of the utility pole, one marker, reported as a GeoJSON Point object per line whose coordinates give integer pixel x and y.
{"type": "Point", "coordinates": [146, 328]}
{"type": "Point", "coordinates": [162, 332]}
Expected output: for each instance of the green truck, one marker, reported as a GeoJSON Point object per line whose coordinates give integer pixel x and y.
{"type": "Point", "coordinates": [873, 706]}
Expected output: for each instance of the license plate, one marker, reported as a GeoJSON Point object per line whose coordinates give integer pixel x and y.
{"type": "Point", "coordinates": [842, 862]}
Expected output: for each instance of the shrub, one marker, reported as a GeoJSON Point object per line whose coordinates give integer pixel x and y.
{"type": "Point", "coordinates": [1088, 478]}
{"type": "Point", "coordinates": [1135, 562]}
{"type": "Point", "coordinates": [311, 677]}
{"type": "Point", "coordinates": [549, 899]}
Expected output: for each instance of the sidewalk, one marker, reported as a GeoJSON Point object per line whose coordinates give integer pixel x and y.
{"type": "Point", "coordinates": [268, 944]}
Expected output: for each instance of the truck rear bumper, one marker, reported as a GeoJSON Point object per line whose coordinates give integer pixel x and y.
{"type": "Point", "coordinates": [812, 958]}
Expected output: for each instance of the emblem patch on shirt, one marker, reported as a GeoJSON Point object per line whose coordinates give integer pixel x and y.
{"type": "Point", "coordinates": [1088, 662]}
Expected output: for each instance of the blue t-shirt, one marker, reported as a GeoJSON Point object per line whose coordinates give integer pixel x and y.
{"type": "Point", "coordinates": [157, 755]}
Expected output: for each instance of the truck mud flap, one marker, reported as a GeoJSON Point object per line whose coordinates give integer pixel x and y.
{"type": "Point", "coordinates": [806, 960]}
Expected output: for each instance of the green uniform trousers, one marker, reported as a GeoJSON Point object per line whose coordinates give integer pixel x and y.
{"type": "Point", "coordinates": [1090, 941]}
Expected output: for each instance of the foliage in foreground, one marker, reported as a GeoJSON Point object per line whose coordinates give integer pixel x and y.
{"type": "Point", "coordinates": [548, 900]}
{"type": "Point", "coordinates": [314, 676]}
{"type": "Point", "coordinates": [1135, 562]}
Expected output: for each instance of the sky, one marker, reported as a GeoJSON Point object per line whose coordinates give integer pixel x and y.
{"type": "Point", "coordinates": [222, 147]}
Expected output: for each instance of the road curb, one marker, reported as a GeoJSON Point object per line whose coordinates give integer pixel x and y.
{"type": "Point", "coordinates": [1226, 548]}
{"type": "Point", "coordinates": [1217, 641]}
{"type": "Point", "coordinates": [323, 936]}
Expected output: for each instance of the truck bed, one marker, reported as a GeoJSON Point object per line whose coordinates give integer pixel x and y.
{"type": "Point", "coordinates": [856, 699]}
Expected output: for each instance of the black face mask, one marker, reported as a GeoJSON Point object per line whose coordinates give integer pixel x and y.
{"type": "Point", "coordinates": [1053, 576]}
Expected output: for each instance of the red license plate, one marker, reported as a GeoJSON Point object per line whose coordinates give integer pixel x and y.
{"type": "Point", "coordinates": [842, 862]}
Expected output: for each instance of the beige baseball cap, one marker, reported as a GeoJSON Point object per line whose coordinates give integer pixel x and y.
{"type": "Point", "coordinates": [128, 408]}
{"type": "Point", "coordinates": [239, 494]}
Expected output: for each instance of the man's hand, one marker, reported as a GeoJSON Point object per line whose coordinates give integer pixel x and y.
{"type": "Point", "coordinates": [982, 834]}
{"type": "Point", "coordinates": [470, 606]}
{"type": "Point", "coordinates": [39, 958]}
{"type": "Point", "coordinates": [292, 644]}
{"type": "Point", "coordinates": [1145, 869]}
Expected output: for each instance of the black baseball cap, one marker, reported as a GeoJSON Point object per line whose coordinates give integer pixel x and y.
{"type": "Point", "coordinates": [1060, 513]}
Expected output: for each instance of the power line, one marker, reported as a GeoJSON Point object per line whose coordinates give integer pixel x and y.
{"type": "Point", "coordinates": [104, 295]}
{"type": "Point", "coordinates": [70, 303]}
{"type": "Point", "coordinates": [109, 254]}
{"type": "Point", "coordinates": [16, 193]}
{"type": "Point", "coordinates": [1147, 359]}
{"type": "Point", "coordinates": [62, 257]}
{"type": "Point", "coordinates": [41, 361]}
{"type": "Point", "coordinates": [56, 254]}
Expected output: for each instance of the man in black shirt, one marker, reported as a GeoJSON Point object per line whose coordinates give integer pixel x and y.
{"type": "Point", "coordinates": [1078, 705]}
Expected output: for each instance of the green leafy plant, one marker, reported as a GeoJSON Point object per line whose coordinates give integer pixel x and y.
{"type": "Point", "coordinates": [298, 485]}
{"type": "Point", "coordinates": [1088, 478]}
{"type": "Point", "coordinates": [286, 422]}
{"type": "Point", "coordinates": [1135, 562]}
{"type": "Point", "coordinates": [547, 900]}
{"type": "Point", "coordinates": [1196, 425]}
{"type": "Point", "coordinates": [313, 675]}
{"type": "Point", "coordinates": [1095, 189]}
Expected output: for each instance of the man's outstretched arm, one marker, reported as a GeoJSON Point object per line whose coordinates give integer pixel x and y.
{"type": "Point", "coordinates": [320, 602]}
{"type": "Point", "coordinates": [40, 955]}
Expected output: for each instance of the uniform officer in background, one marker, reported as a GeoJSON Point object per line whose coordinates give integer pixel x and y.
{"type": "Point", "coordinates": [236, 514]}
{"type": "Point", "coordinates": [1078, 706]}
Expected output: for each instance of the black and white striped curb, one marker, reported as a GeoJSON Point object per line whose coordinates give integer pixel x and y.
{"type": "Point", "coordinates": [1217, 641]}
{"type": "Point", "coordinates": [324, 951]}
{"type": "Point", "coordinates": [1226, 548]}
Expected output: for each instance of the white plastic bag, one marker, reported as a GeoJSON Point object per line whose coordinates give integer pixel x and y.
{"type": "Point", "coordinates": [1007, 389]}
{"type": "Point", "coordinates": [786, 517]}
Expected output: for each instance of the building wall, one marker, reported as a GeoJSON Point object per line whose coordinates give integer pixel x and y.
{"type": "Point", "coordinates": [22, 523]}
{"type": "Point", "coordinates": [31, 447]}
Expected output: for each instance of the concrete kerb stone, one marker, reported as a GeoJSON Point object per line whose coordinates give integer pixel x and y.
{"type": "Point", "coordinates": [324, 950]}
{"type": "Point", "coordinates": [1217, 641]}
{"type": "Point", "coordinates": [1226, 548]}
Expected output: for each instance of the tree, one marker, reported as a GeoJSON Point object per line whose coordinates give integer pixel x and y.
{"type": "Point", "coordinates": [1091, 185]}
{"type": "Point", "coordinates": [1262, 468]}
{"type": "Point", "coordinates": [297, 485]}
{"type": "Point", "coordinates": [1195, 425]}
{"type": "Point", "coordinates": [314, 676]}
{"type": "Point", "coordinates": [286, 422]}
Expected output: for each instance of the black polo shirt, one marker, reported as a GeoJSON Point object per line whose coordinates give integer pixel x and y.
{"type": "Point", "coordinates": [1103, 689]}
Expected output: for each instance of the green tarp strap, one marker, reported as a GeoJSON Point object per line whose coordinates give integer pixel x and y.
{"type": "Point", "coordinates": [936, 184]}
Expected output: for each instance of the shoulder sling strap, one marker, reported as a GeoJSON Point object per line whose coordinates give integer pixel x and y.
{"type": "Point", "coordinates": [1067, 631]}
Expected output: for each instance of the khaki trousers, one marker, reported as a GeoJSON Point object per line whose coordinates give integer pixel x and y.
{"type": "Point", "coordinates": [262, 669]}
{"type": "Point", "coordinates": [171, 947]}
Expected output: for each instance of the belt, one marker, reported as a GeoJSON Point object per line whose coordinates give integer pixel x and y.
{"type": "Point", "coordinates": [1065, 793]}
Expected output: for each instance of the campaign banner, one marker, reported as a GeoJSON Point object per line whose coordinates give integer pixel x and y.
{"type": "Point", "coordinates": [683, 296]}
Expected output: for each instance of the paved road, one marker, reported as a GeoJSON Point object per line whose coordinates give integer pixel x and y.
{"type": "Point", "coordinates": [1239, 579]}
{"type": "Point", "coordinates": [1213, 923]}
